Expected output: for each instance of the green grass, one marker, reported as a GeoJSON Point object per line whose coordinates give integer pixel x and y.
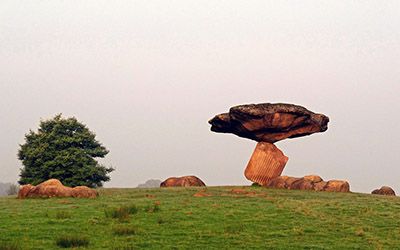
{"type": "Point", "coordinates": [172, 218]}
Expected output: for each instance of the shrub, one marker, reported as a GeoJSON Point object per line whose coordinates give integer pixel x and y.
{"type": "Point", "coordinates": [9, 245]}
{"type": "Point", "coordinates": [63, 215]}
{"type": "Point", "coordinates": [153, 209]}
{"type": "Point", "coordinates": [124, 230]}
{"type": "Point", "coordinates": [124, 248]}
{"type": "Point", "coordinates": [121, 213]}
{"type": "Point", "coordinates": [69, 241]}
{"type": "Point", "coordinates": [234, 229]}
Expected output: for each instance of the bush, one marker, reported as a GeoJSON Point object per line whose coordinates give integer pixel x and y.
{"type": "Point", "coordinates": [69, 241]}
{"type": "Point", "coordinates": [153, 209]}
{"type": "Point", "coordinates": [63, 215]}
{"type": "Point", "coordinates": [124, 230]}
{"type": "Point", "coordinates": [9, 245]}
{"type": "Point", "coordinates": [121, 213]}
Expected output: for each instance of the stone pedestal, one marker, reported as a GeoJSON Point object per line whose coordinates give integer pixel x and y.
{"type": "Point", "coordinates": [266, 163]}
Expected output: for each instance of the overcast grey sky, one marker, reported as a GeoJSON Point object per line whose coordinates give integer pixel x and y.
{"type": "Point", "coordinates": [146, 76]}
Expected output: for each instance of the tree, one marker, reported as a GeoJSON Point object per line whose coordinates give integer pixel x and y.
{"type": "Point", "coordinates": [64, 149]}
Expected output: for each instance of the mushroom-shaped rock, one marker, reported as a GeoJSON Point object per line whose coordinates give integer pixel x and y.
{"type": "Point", "coordinates": [385, 190]}
{"type": "Point", "coordinates": [54, 188]}
{"type": "Point", "coordinates": [268, 123]}
{"type": "Point", "coordinates": [184, 181]}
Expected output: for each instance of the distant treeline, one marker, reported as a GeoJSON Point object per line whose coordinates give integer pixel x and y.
{"type": "Point", "coordinates": [4, 187]}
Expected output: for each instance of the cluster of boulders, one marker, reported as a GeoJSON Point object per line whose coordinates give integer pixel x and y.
{"type": "Point", "coordinates": [309, 182]}
{"type": "Point", "coordinates": [54, 188]}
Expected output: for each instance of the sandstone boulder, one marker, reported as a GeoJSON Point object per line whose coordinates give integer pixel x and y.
{"type": "Point", "coordinates": [54, 188]}
{"type": "Point", "coordinates": [313, 178]}
{"type": "Point", "coordinates": [184, 181]}
{"type": "Point", "coordinates": [302, 184]}
{"type": "Point", "coordinates": [269, 122]}
{"type": "Point", "coordinates": [337, 186]}
{"type": "Point", "coordinates": [24, 190]}
{"type": "Point", "coordinates": [385, 190]}
{"type": "Point", "coordinates": [266, 163]}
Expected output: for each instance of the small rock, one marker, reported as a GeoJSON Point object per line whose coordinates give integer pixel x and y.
{"type": "Point", "coordinates": [385, 190]}
{"type": "Point", "coordinates": [184, 181]}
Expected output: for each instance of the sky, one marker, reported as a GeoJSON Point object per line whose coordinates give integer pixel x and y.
{"type": "Point", "coordinates": [146, 76]}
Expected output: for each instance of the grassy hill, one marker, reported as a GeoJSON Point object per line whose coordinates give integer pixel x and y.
{"type": "Point", "coordinates": [229, 218]}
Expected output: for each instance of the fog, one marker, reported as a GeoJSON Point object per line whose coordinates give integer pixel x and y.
{"type": "Point", "coordinates": [146, 76]}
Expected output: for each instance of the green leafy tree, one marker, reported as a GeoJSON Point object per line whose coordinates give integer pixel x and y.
{"type": "Point", "coordinates": [64, 149]}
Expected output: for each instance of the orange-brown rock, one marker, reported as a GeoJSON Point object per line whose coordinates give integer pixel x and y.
{"type": "Point", "coordinates": [83, 192]}
{"type": "Point", "coordinates": [282, 182]}
{"type": "Point", "coordinates": [337, 186]}
{"type": "Point", "coordinates": [201, 194]}
{"type": "Point", "coordinates": [269, 122]}
{"type": "Point", "coordinates": [302, 184]}
{"type": "Point", "coordinates": [320, 186]}
{"type": "Point", "coordinates": [266, 163]}
{"type": "Point", "coordinates": [385, 190]}
{"type": "Point", "coordinates": [184, 181]}
{"type": "Point", "coordinates": [310, 182]}
{"type": "Point", "coordinates": [54, 188]}
{"type": "Point", "coordinates": [24, 190]}
{"type": "Point", "coordinates": [313, 178]}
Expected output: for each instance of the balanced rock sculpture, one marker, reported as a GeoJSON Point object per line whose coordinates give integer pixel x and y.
{"type": "Point", "coordinates": [184, 181]}
{"type": "Point", "coordinates": [54, 188]}
{"type": "Point", "coordinates": [268, 123]}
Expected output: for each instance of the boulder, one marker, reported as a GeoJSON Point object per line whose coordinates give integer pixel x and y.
{"type": "Point", "coordinates": [282, 182]}
{"type": "Point", "coordinates": [269, 122]}
{"type": "Point", "coordinates": [320, 186]}
{"type": "Point", "coordinates": [313, 178]}
{"type": "Point", "coordinates": [184, 181]}
{"type": "Point", "coordinates": [266, 163]}
{"type": "Point", "coordinates": [54, 188]}
{"type": "Point", "coordinates": [83, 192]}
{"type": "Point", "coordinates": [337, 186]}
{"type": "Point", "coordinates": [385, 190]}
{"type": "Point", "coordinates": [302, 184]}
{"type": "Point", "coordinates": [24, 190]}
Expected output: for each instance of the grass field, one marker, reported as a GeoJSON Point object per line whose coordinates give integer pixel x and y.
{"type": "Point", "coordinates": [230, 218]}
